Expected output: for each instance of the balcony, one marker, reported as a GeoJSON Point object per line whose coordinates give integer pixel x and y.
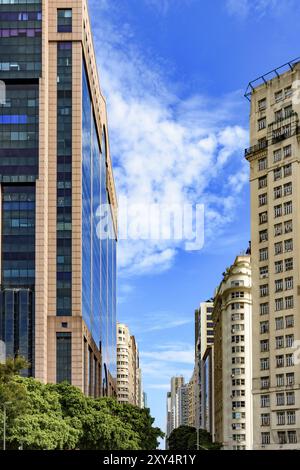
{"type": "Point", "coordinates": [262, 145]}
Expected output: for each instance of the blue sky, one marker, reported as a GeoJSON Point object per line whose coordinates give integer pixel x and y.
{"type": "Point", "coordinates": [174, 73]}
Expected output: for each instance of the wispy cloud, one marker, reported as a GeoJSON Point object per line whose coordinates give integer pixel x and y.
{"type": "Point", "coordinates": [165, 149]}
{"type": "Point", "coordinates": [157, 321]}
{"type": "Point", "coordinates": [259, 8]}
{"type": "Point", "coordinates": [166, 361]}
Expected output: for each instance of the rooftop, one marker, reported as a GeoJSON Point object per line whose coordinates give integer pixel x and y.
{"type": "Point", "coordinates": [267, 77]}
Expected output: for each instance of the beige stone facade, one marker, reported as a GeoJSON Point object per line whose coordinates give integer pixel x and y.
{"type": "Point", "coordinates": [129, 375]}
{"type": "Point", "coordinates": [47, 324]}
{"type": "Point", "coordinates": [232, 316]}
{"type": "Point", "coordinates": [274, 158]}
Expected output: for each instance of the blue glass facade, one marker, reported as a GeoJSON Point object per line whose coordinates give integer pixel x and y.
{"type": "Point", "coordinates": [64, 180]}
{"type": "Point", "coordinates": [20, 69]}
{"type": "Point", "coordinates": [98, 255]}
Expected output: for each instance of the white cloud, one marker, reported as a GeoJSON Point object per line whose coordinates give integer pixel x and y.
{"type": "Point", "coordinates": [157, 321]}
{"type": "Point", "coordinates": [166, 361]}
{"type": "Point", "coordinates": [258, 8]}
{"type": "Point", "coordinates": [165, 149]}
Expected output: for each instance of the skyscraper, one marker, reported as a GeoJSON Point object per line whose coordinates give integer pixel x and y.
{"type": "Point", "coordinates": [129, 375]}
{"type": "Point", "coordinates": [275, 234]}
{"type": "Point", "coordinates": [58, 266]}
{"type": "Point", "coordinates": [232, 316]}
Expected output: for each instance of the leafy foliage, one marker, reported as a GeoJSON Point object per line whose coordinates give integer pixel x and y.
{"type": "Point", "coordinates": [185, 438]}
{"type": "Point", "coordinates": [60, 416]}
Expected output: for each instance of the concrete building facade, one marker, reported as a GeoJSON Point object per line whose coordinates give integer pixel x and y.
{"type": "Point", "coordinates": [232, 316]}
{"type": "Point", "coordinates": [274, 158]}
{"type": "Point", "coordinates": [58, 279]}
{"type": "Point", "coordinates": [129, 376]}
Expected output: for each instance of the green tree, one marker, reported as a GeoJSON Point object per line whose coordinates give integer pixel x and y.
{"type": "Point", "coordinates": [185, 438]}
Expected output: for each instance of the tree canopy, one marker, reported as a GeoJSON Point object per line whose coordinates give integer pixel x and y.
{"type": "Point", "coordinates": [60, 416]}
{"type": "Point", "coordinates": [185, 438]}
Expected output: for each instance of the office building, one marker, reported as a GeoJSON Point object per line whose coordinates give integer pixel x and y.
{"type": "Point", "coordinates": [274, 157]}
{"type": "Point", "coordinates": [58, 268]}
{"type": "Point", "coordinates": [232, 317]}
{"type": "Point", "coordinates": [183, 405]}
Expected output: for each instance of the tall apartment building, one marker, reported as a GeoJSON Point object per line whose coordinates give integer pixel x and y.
{"type": "Point", "coordinates": [204, 341]}
{"type": "Point", "coordinates": [183, 405]}
{"type": "Point", "coordinates": [58, 278]}
{"type": "Point", "coordinates": [192, 397]}
{"type": "Point", "coordinates": [129, 379]}
{"type": "Point", "coordinates": [232, 316]}
{"type": "Point", "coordinates": [174, 413]}
{"type": "Point", "coordinates": [274, 158]}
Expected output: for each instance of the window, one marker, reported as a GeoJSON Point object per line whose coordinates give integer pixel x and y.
{"type": "Point", "coordinates": [288, 91]}
{"type": "Point", "coordinates": [264, 345]}
{"type": "Point", "coordinates": [290, 398]}
{"type": "Point", "coordinates": [264, 309]}
{"type": "Point", "coordinates": [288, 226]}
{"type": "Point", "coordinates": [277, 155]}
{"type": "Point", "coordinates": [280, 380]}
{"type": "Point", "coordinates": [280, 416]}
{"type": "Point", "coordinates": [278, 304]}
{"type": "Point", "coordinates": [279, 323]}
{"type": "Point", "coordinates": [278, 248]}
{"type": "Point", "coordinates": [265, 438]}
{"type": "Point", "coordinates": [278, 267]}
{"type": "Point", "coordinates": [263, 254]}
{"type": "Point", "coordinates": [263, 272]}
{"type": "Point", "coordinates": [289, 341]}
{"type": "Point", "coordinates": [289, 321]}
{"type": "Point", "coordinates": [277, 230]}
{"type": "Point", "coordinates": [280, 361]}
{"type": "Point", "coordinates": [277, 174]}
{"type": "Point", "coordinates": [278, 96]}
{"type": "Point", "coordinates": [278, 285]}
{"type": "Point", "coordinates": [287, 170]}
{"type": "Point", "coordinates": [289, 302]}
{"type": "Point", "coordinates": [278, 211]}
{"type": "Point", "coordinates": [262, 104]}
{"type": "Point", "coordinates": [264, 290]}
{"type": "Point", "coordinates": [265, 382]}
{"type": "Point", "coordinates": [289, 264]}
{"type": "Point", "coordinates": [64, 20]}
{"type": "Point", "coordinates": [262, 163]}
{"type": "Point", "coordinates": [279, 342]}
{"type": "Point", "coordinates": [278, 115]}
{"type": "Point", "coordinates": [263, 236]}
{"type": "Point", "coordinates": [261, 124]}
{"type": "Point", "coordinates": [265, 419]}
{"type": "Point", "coordinates": [288, 111]}
{"type": "Point", "coordinates": [262, 199]}
{"type": "Point", "coordinates": [264, 401]}
{"type": "Point", "coordinates": [281, 437]}
{"type": "Point", "coordinates": [288, 245]}
{"type": "Point", "coordinates": [289, 283]}
{"type": "Point", "coordinates": [63, 357]}
{"type": "Point", "coordinates": [287, 189]}
{"type": "Point", "coordinates": [287, 151]}
{"type": "Point", "coordinates": [292, 437]}
{"type": "Point", "coordinates": [264, 363]}
{"type": "Point", "coordinates": [264, 327]}
{"type": "Point", "coordinates": [262, 182]}
{"type": "Point", "coordinates": [290, 379]}
{"type": "Point", "coordinates": [263, 217]}
{"type": "Point", "coordinates": [288, 207]}
{"type": "Point", "coordinates": [289, 360]}
{"type": "Point", "coordinates": [277, 192]}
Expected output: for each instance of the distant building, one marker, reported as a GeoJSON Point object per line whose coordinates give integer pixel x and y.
{"type": "Point", "coordinates": [203, 385]}
{"type": "Point", "coordinates": [232, 316]}
{"type": "Point", "coordinates": [129, 377]}
{"type": "Point", "coordinates": [183, 404]}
